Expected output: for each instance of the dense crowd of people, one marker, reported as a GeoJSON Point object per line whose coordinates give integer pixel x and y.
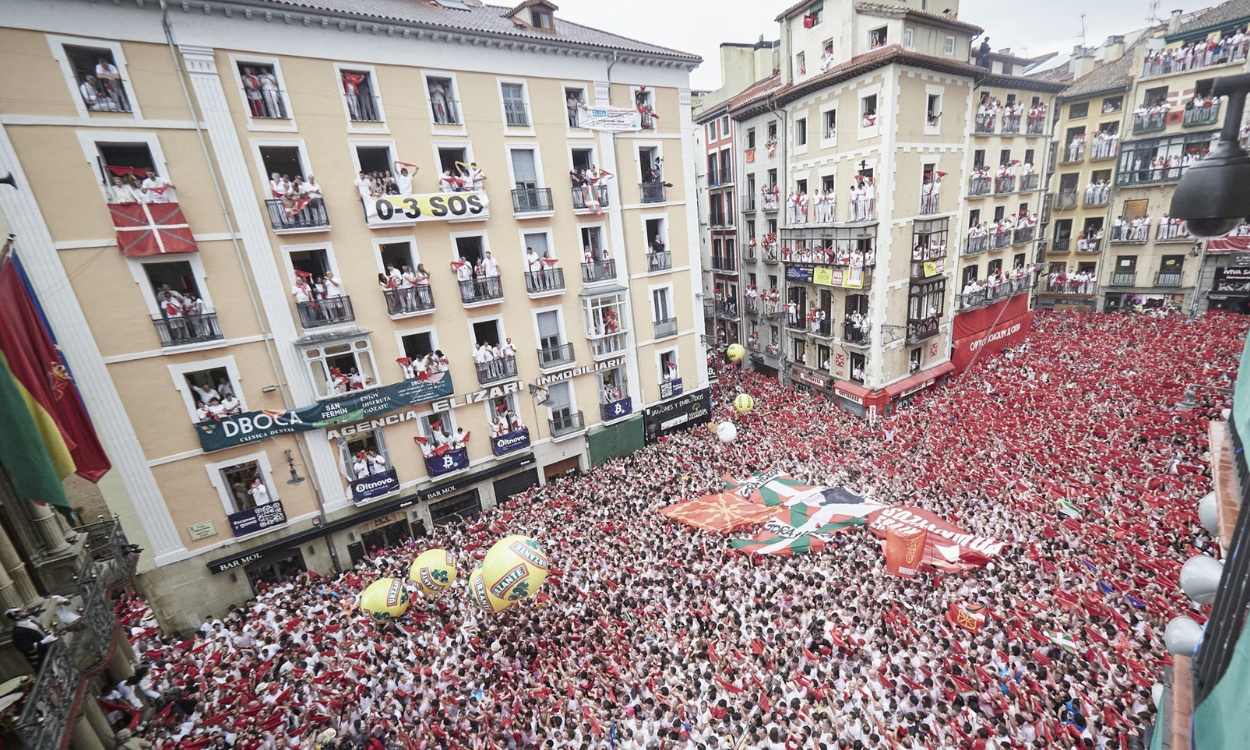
{"type": "Point", "coordinates": [1069, 447]}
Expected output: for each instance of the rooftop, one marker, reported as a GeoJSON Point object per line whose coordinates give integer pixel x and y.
{"type": "Point", "coordinates": [878, 58]}
{"type": "Point", "coordinates": [1112, 76]}
{"type": "Point", "coordinates": [902, 11]}
{"type": "Point", "coordinates": [473, 17]}
{"type": "Point", "coordinates": [1212, 18]}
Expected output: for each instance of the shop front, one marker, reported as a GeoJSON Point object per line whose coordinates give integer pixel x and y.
{"type": "Point", "coordinates": [508, 487]}
{"type": "Point", "coordinates": [812, 381]}
{"type": "Point", "coordinates": [1230, 288]}
{"type": "Point", "coordinates": [274, 568]}
{"type": "Point", "coordinates": [681, 413]}
{"type": "Point", "coordinates": [566, 467]}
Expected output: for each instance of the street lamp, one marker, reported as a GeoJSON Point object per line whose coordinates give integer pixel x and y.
{"type": "Point", "coordinates": [1211, 196]}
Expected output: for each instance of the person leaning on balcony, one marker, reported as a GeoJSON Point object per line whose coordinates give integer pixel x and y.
{"type": "Point", "coordinates": [90, 92]}
{"type": "Point", "coordinates": [376, 461]}
{"type": "Point", "coordinates": [156, 188]}
{"type": "Point", "coordinates": [360, 466]}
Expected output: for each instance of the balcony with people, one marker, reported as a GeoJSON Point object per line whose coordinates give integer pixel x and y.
{"type": "Point", "coordinates": [1078, 284]}
{"type": "Point", "coordinates": [1134, 231]}
{"type": "Point", "coordinates": [598, 269]}
{"type": "Point", "coordinates": [1201, 112]}
{"type": "Point", "coordinates": [589, 197]}
{"type": "Point", "coordinates": [1074, 149]}
{"type": "Point", "coordinates": [997, 287]}
{"type": "Point", "coordinates": [980, 182]}
{"type": "Point", "coordinates": [1011, 122]}
{"type": "Point", "coordinates": [1004, 184]}
{"type": "Point", "coordinates": [1173, 230]}
{"type": "Point", "coordinates": [770, 197]}
{"type": "Point", "coordinates": [494, 362]}
{"type": "Point", "coordinates": [727, 308]}
{"type": "Point", "coordinates": [320, 299]}
{"type": "Point", "coordinates": [1089, 239]}
{"type": "Point", "coordinates": [544, 282]}
{"type": "Point", "coordinates": [976, 242]}
{"type": "Point", "coordinates": [1036, 122]}
{"type": "Point", "coordinates": [653, 188]}
{"type": "Point", "coordinates": [606, 324]}
{"type": "Point", "coordinates": [1229, 49]}
{"type": "Point", "coordinates": [443, 452]}
{"type": "Point", "coordinates": [986, 121]}
{"type": "Point", "coordinates": [1098, 192]}
{"type": "Point", "coordinates": [101, 86]}
{"type": "Point", "coordinates": [1151, 118]}
{"type": "Point", "coordinates": [1105, 142]}
{"type": "Point", "coordinates": [362, 103]}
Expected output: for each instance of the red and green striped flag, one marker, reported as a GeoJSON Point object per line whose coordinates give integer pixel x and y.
{"type": "Point", "coordinates": [799, 529]}
{"type": "Point", "coordinates": [48, 433]}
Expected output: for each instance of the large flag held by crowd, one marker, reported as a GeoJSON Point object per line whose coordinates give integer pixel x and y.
{"type": "Point", "coordinates": [798, 529]}
{"type": "Point", "coordinates": [946, 546]}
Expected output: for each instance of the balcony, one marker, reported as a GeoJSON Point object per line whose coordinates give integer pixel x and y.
{"type": "Point", "coordinates": [924, 328]}
{"type": "Point", "coordinates": [1062, 245]}
{"type": "Point", "coordinates": [1103, 150]}
{"type": "Point", "coordinates": [1198, 116]}
{"type": "Point", "coordinates": [929, 203]}
{"type": "Point", "coordinates": [325, 312]}
{"type": "Point", "coordinates": [598, 271]}
{"type": "Point", "coordinates": [1004, 185]}
{"type": "Point", "coordinates": [1011, 125]}
{"type": "Point", "coordinates": [515, 114]}
{"type": "Point", "coordinates": [1073, 153]}
{"type": "Point", "coordinates": [727, 309]}
{"type": "Point", "coordinates": [985, 124]}
{"type": "Point", "coordinates": [822, 329]}
{"type": "Point", "coordinates": [659, 261]}
{"type": "Point", "coordinates": [1124, 278]}
{"type": "Point", "coordinates": [590, 199]}
{"type": "Point", "coordinates": [665, 328]}
{"type": "Point", "coordinates": [529, 201]}
{"type": "Point", "coordinates": [751, 306]}
{"type": "Point", "coordinates": [999, 240]}
{"type": "Point", "coordinates": [979, 186]}
{"type": "Point", "coordinates": [1173, 231]}
{"type": "Point", "coordinates": [1070, 286]}
{"type": "Point", "coordinates": [1089, 246]}
{"type": "Point", "coordinates": [565, 422]}
{"type": "Point", "coordinates": [749, 255]}
{"type": "Point", "coordinates": [410, 301]}
{"type": "Point", "coordinates": [1097, 198]}
{"type": "Point", "coordinates": [481, 291]}
{"type": "Point", "coordinates": [652, 192]}
{"type": "Point", "coordinates": [854, 335]}
{"type": "Point", "coordinates": [310, 217]}
{"type": "Point", "coordinates": [187, 329]}
{"type": "Point", "coordinates": [976, 245]}
{"type": "Point", "coordinates": [612, 410]}
{"type": "Point", "coordinates": [1170, 62]}
{"type": "Point", "coordinates": [1022, 235]}
{"type": "Point", "coordinates": [770, 201]}
{"type": "Point", "coordinates": [1129, 233]}
{"type": "Point", "coordinates": [607, 346]}
{"type": "Point", "coordinates": [1150, 122]}
{"type": "Point", "coordinates": [556, 355]}
{"type": "Point", "coordinates": [724, 264]}
{"type": "Point", "coordinates": [1149, 175]}
{"type": "Point", "coordinates": [1065, 200]}
{"type": "Point", "coordinates": [1168, 279]}
{"type": "Point", "coordinates": [1036, 125]}
{"type": "Point", "coordinates": [52, 708]}
{"type": "Point", "coordinates": [770, 255]}
{"type": "Point", "coordinates": [545, 282]}
{"type": "Point", "coordinates": [362, 106]}
{"type": "Point", "coordinates": [501, 368]}
{"type": "Point", "coordinates": [1030, 183]}
{"type": "Point", "coordinates": [980, 296]}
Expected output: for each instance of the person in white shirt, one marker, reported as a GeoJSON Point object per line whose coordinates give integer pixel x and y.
{"type": "Point", "coordinates": [507, 350]}
{"type": "Point", "coordinates": [259, 493]}
{"type": "Point", "coordinates": [273, 99]}
{"type": "Point", "coordinates": [402, 177]}
{"type": "Point", "coordinates": [377, 462]}
{"type": "Point", "coordinates": [364, 187]}
{"type": "Point", "coordinates": [490, 266]}
{"type": "Point", "coordinates": [156, 189]}
{"type": "Point", "coordinates": [360, 467]}
{"type": "Point", "coordinates": [87, 89]}
{"type": "Point", "coordinates": [301, 290]}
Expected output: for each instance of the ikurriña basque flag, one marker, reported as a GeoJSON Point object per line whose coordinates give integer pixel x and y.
{"type": "Point", "coordinates": [48, 434]}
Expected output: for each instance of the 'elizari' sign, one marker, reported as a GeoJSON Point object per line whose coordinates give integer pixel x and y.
{"type": "Point", "coordinates": [253, 426]}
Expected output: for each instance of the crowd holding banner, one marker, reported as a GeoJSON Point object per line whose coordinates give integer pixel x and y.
{"type": "Point", "coordinates": [651, 634]}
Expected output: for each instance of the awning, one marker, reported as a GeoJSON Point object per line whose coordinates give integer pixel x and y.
{"type": "Point", "coordinates": [855, 389]}
{"type": "Point", "coordinates": [922, 379]}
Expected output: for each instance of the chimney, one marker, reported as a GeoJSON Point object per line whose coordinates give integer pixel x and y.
{"type": "Point", "coordinates": [1005, 51]}
{"type": "Point", "coordinates": [1174, 23]}
{"type": "Point", "coordinates": [1082, 61]}
{"type": "Point", "coordinates": [1113, 49]}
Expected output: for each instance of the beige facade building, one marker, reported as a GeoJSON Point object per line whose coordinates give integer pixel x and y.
{"type": "Point", "coordinates": [268, 388]}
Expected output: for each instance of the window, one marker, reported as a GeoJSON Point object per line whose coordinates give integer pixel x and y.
{"type": "Point", "coordinates": [449, 156]}
{"type": "Point", "coordinates": [978, 158]}
{"type": "Point", "coordinates": [541, 18]}
{"type": "Point", "coordinates": [1156, 96]}
{"type": "Point", "coordinates": [815, 15]}
{"type": "Point", "coordinates": [182, 313]}
{"type": "Point", "coordinates": [213, 393]}
{"type": "Point", "coordinates": [444, 100]}
{"type": "Point", "coordinates": [994, 267]}
{"type": "Point", "coordinates": [772, 130]}
{"type": "Point", "coordinates": [926, 300]}
{"type": "Point", "coordinates": [827, 183]}
{"type": "Point", "coordinates": [800, 64]}
{"type": "Point", "coordinates": [1078, 110]}
{"type": "Point", "coordinates": [933, 110]}
{"type": "Point", "coordinates": [1112, 104]}
{"type": "Point", "coordinates": [908, 37]}
{"type": "Point", "coordinates": [341, 367]}
{"type": "Point", "coordinates": [363, 454]}
{"type": "Point", "coordinates": [831, 124]}
{"type": "Point", "coordinates": [606, 323]}
{"type": "Point", "coordinates": [505, 417]}
{"type": "Point", "coordinates": [613, 388]}
{"type": "Point", "coordinates": [419, 345]}
{"type": "Point", "coordinates": [560, 407]}
{"type": "Point", "coordinates": [247, 486]}
{"type": "Point", "coordinates": [868, 111]}
{"type": "Point", "coordinates": [262, 89]}
{"type": "Point", "coordinates": [798, 350]}
{"type": "Point", "coordinates": [800, 131]}
{"type": "Point", "coordinates": [525, 172]}
{"type": "Point", "coordinates": [284, 161]}
{"type": "Point", "coordinates": [661, 305]}
{"type": "Point", "coordinates": [363, 104]}
{"type": "Point", "coordinates": [126, 167]}
{"type": "Point", "coordinates": [657, 235]}
{"type": "Point", "coordinates": [1004, 157]}
{"type": "Point", "coordinates": [668, 366]}
{"type": "Point", "coordinates": [1160, 159]}
{"type": "Point", "coordinates": [711, 131]}
{"type": "Point", "coordinates": [552, 348]}
{"type": "Point", "coordinates": [515, 110]}
{"type": "Point", "coordinates": [750, 137]}
{"type": "Point", "coordinates": [876, 37]}
{"type": "Point", "coordinates": [574, 102]}
{"type": "Point", "coordinates": [724, 126]}
{"type": "Point", "coordinates": [101, 86]}
{"type": "Point", "coordinates": [948, 46]}
{"type": "Point", "coordinates": [376, 160]}
{"type": "Point", "coordinates": [644, 102]}
{"type": "Point", "coordinates": [913, 359]}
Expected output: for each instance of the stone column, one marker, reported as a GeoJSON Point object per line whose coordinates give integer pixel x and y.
{"type": "Point", "coordinates": [23, 590]}
{"type": "Point", "coordinates": [84, 736]}
{"type": "Point", "coordinates": [95, 717]}
{"type": "Point", "coordinates": [44, 519]}
{"type": "Point", "coordinates": [122, 662]}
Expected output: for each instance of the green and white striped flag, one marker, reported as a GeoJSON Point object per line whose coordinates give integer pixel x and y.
{"type": "Point", "coordinates": [799, 529]}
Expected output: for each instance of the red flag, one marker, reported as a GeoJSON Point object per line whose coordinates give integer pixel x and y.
{"type": "Point", "coordinates": [29, 348]}
{"type": "Point", "coordinates": [145, 229]}
{"type": "Point", "coordinates": [903, 552]}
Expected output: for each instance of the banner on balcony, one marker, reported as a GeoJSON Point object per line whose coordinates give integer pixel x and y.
{"type": "Point", "coordinates": [447, 462]}
{"type": "Point", "coordinates": [253, 426]}
{"type": "Point", "coordinates": [146, 229]}
{"type": "Point", "coordinates": [509, 442]}
{"type": "Point", "coordinates": [257, 519]}
{"type": "Point", "coordinates": [374, 486]}
{"type": "Point", "coordinates": [405, 209]}
{"type": "Point", "coordinates": [611, 119]}
{"type": "Point", "coordinates": [1008, 331]}
{"type": "Point", "coordinates": [845, 278]}
{"type": "Point", "coordinates": [976, 321]}
{"type": "Point", "coordinates": [617, 409]}
{"type": "Point", "coordinates": [1229, 244]}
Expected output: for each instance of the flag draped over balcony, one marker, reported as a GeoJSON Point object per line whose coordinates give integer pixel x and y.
{"type": "Point", "coordinates": [48, 433]}
{"type": "Point", "coordinates": [145, 229]}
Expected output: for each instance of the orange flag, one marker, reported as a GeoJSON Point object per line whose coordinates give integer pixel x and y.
{"type": "Point", "coordinates": [903, 552]}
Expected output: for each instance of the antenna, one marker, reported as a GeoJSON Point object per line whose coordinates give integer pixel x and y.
{"type": "Point", "coordinates": [1082, 30]}
{"type": "Point", "coordinates": [1152, 17]}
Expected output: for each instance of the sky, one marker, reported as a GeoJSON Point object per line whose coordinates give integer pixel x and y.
{"type": "Point", "coordinates": [699, 26]}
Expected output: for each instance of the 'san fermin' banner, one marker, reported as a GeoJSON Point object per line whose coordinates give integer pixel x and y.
{"type": "Point", "coordinates": [990, 329]}
{"type": "Point", "coordinates": [405, 209]}
{"type": "Point", "coordinates": [252, 426]}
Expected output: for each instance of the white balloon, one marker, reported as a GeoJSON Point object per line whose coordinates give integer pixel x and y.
{"type": "Point", "coordinates": [727, 432]}
{"type": "Point", "coordinates": [1209, 513]}
{"type": "Point", "coordinates": [1200, 577]}
{"type": "Point", "coordinates": [1182, 636]}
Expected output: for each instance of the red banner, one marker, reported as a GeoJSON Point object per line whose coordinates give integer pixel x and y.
{"type": "Point", "coordinates": [904, 552]}
{"type": "Point", "coordinates": [975, 321]}
{"type": "Point", "coordinates": [946, 546]}
{"type": "Point", "coordinates": [1009, 332]}
{"type": "Point", "coordinates": [145, 229]}
{"type": "Point", "coordinates": [967, 616]}
{"type": "Point", "coordinates": [1230, 244]}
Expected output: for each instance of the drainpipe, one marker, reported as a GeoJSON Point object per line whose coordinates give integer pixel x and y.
{"type": "Point", "coordinates": [783, 177]}
{"type": "Point", "coordinates": [257, 310]}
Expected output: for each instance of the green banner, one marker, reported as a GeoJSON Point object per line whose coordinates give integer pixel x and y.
{"type": "Point", "coordinates": [253, 426]}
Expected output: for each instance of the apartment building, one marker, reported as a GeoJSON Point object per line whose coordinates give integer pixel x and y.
{"type": "Point", "coordinates": [327, 278]}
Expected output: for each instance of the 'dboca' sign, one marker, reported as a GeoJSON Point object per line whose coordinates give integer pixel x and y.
{"type": "Point", "coordinates": [252, 426]}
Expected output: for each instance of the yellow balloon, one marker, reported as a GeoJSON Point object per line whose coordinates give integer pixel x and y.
{"type": "Point", "coordinates": [743, 404]}
{"type": "Point", "coordinates": [433, 571]}
{"type": "Point", "coordinates": [478, 595]}
{"type": "Point", "coordinates": [735, 352]}
{"type": "Point", "coordinates": [515, 568]}
{"type": "Point", "coordinates": [385, 597]}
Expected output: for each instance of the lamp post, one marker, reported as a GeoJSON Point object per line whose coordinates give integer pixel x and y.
{"type": "Point", "coordinates": [1211, 196]}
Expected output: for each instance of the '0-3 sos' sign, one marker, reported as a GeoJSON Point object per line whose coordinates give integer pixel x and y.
{"type": "Point", "coordinates": [405, 209]}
